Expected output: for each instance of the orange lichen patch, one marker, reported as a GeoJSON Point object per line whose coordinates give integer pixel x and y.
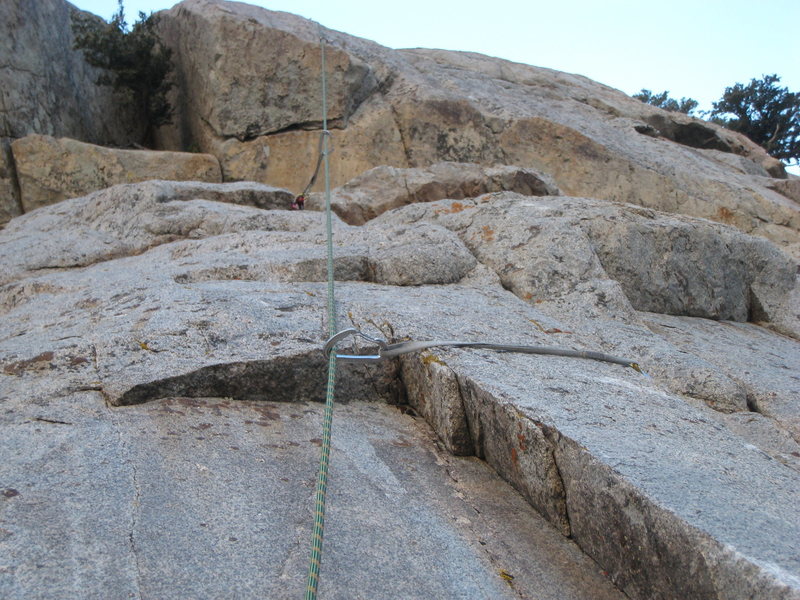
{"type": "Point", "coordinates": [522, 442]}
{"type": "Point", "coordinates": [430, 358]}
{"type": "Point", "coordinates": [514, 457]}
{"type": "Point", "coordinates": [725, 215]}
{"type": "Point", "coordinates": [528, 296]}
{"type": "Point", "coordinates": [455, 207]}
{"type": "Point", "coordinates": [487, 233]}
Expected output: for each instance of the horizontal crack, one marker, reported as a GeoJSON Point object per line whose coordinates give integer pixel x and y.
{"type": "Point", "coordinates": [54, 421]}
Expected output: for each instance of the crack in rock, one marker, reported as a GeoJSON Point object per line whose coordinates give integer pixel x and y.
{"type": "Point", "coordinates": [292, 378]}
{"type": "Point", "coordinates": [135, 505]}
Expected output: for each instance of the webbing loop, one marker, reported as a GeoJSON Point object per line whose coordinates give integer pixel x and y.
{"type": "Point", "coordinates": [323, 150]}
{"type": "Point", "coordinates": [385, 350]}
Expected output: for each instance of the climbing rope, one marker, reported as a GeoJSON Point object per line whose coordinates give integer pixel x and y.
{"type": "Point", "coordinates": [312, 580]}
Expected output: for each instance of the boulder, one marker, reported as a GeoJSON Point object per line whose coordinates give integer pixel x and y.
{"type": "Point", "coordinates": [47, 87]}
{"type": "Point", "coordinates": [131, 218]}
{"type": "Point", "coordinates": [384, 188]}
{"type": "Point", "coordinates": [788, 187]}
{"type": "Point", "coordinates": [50, 169]}
{"type": "Point", "coordinates": [232, 93]}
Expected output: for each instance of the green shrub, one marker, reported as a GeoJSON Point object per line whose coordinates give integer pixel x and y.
{"type": "Point", "coordinates": [135, 62]}
{"type": "Point", "coordinates": [662, 100]}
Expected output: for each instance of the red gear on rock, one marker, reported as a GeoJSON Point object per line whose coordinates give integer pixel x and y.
{"type": "Point", "coordinates": [299, 202]}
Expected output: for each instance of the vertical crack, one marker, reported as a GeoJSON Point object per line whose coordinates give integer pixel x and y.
{"type": "Point", "coordinates": [411, 197]}
{"type": "Point", "coordinates": [468, 425]}
{"type": "Point", "coordinates": [16, 190]}
{"type": "Point", "coordinates": [288, 567]}
{"type": "Point", "coordinates": [99, 381]}
{"type": "Point", "coordinates": [135, 505]}
{"type": "Point", "coordinates": [133, 526]}
{"type": "Point", "coordinates": [434, 390]}
{"type": "Point", "coordinates": [406, 149]}
{"type": "Point", "coordinates": [555, 457]}
{"type": "Point", "coordinates": [752, 402]}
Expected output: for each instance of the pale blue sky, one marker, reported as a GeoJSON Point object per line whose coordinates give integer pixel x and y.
{"type": "Point", "coordinates": [691, 48]}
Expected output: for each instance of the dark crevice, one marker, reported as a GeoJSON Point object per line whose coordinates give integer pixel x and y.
{"type": "Point", "coordinates": [86, 388]}
{"type": "Point", "coordinates": [5, 148]}
{"type": "Point", "coordinates": [755, 310]}
{"type": "Point", "coordinates": [284, 379]}
{"type": "Point", "coordinates": [53, 421]}
{"type": "Point", "coordinates": [752, 403]}
{"type": "Point", "coordinates": [695, 134]}
{"type": "Point", "coordinates": [549, 433]}
{"type": "Point", "coordinates": [296, 378]}
{"type": "Point", "coordinates": [468, 425]}
{"type": "Point", "coordinates": [314, 125]}
{"type": "Point", "coordinates": [60, 267]}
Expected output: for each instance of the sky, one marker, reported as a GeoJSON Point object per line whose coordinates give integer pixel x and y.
{"type": "Point", "coordinates": [692, 48]}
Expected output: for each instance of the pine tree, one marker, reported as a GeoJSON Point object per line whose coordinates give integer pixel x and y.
{"type": "Point", "coordinates": [766, 113]}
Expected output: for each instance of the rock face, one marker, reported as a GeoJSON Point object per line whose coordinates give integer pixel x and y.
{"type": "Point", "coordinates": [236, 100]}
{"type": "Point", "coordinates": [201, 297]}
{"type": "Point", "coordinates": [235, 107]}
{"type": "Point", "coordinates": [48, 89]}
{"type": "Point", "coordinates": [414, 108]}
{"type": "Point", "coordinates": [45, 86]}
{"type": "Point", "coordinates": [50, 169]}
{"type": "Point", "coordinates": [160, 341]}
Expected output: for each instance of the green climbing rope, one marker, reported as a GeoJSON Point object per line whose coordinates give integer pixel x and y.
{"type": "Point", "coordinates": [322, 480]}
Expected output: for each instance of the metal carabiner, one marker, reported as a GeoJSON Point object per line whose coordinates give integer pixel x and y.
{"type": "Point", "coordinates": [335, 339]}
